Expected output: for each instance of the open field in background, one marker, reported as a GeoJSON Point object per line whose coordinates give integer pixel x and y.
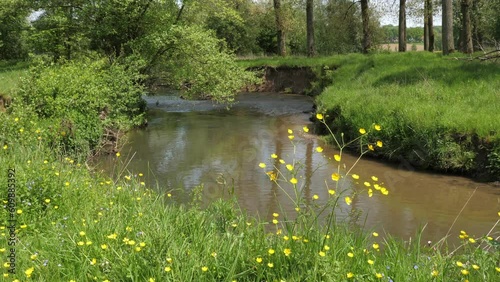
{"type": "Point", "coordinates": [409, 47]}
{"type": "Point", "coordinates": [10, 72]}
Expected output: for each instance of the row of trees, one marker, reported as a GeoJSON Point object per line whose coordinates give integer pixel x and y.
{"type": "Point", "coordinates": [66, 27]}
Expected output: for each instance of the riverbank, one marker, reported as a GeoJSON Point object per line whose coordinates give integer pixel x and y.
{"type": "Point", "coordinates": [73, 224]}
{"type": "Point", "coordinates": [437, 113]}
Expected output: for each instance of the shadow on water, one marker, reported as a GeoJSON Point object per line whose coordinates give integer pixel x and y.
{"type": "Point", "coordinates": [192, 142]}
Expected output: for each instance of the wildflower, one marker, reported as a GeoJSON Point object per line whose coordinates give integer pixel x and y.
{"type": "Point", "coordinates": [151, 280]}
{"type": "Point", "coordinates": [169, 195]}
{"type": "Point", "coordinates": [33, 256]}
{"type": "Point", "coordinates": [279, 231]}
{"type": "Point", "coordinates": [472, 240]}
{"type": "Point", "coordinates": [270, 265]}
{"type": "Point", "coordinates": [351, 255]}
{"type": "Point", "coordinates": [335, 176]}
{"type": "Point", "coordinates": [5, 147]}
{"type": "Point", "coordinates": [262, 165]}
{"type": "Point", "coordinates": [384, 191]}
{"type": "Point", "coordinates": [315, 197]}
{"type": "Point", "coordinates": [47, 201]}
{"type": "Point", "coordinates": [286, 238]}
{"type": "Point", "coordinates": [93, 261]}
{"type": "Point", "coordinates": [169, 260]}
{"type": "Point", "coordinates": [370, 192]}
{"type": "Point", "coordinates": [297, 209]}
{"type": "Point", "coordinates": [287, 252]}
{"type": "Point", "coordinates": [348, 201]}
{"type": "Point", "coordinates": [272, 176]}
{"type": "Point", "coordinates": [259, 260]}
{"type": "Point", "coordinates": [337, 157]}
{"type": "Point", "coordinates": [377, 127]}
{"type": "Point", "coordinates": [367, 184]}
{"type": "Point", "coordinates": [375, 234]}
{"type": "Point", "coordinates": [275, 221]}
{"type": "Point", "coordinates": [326, 247]}
{"type": "Point", "coordinates": [80, 243]}
{"type": "Point", "coordinates": [137, 249]}
{"type": "Point", "coordinates": [112, 236]}
{"type": "Point", "coordinates": [306, 129]}
{"type": "Point", "coordinates": [29, 271]}
{"type": "Point", "coordinates": [290, 131]}
{"type": "Point", "coordinates": [82, 233]}
{"type": "Point", "coordinates": [275, 214]}
{"type": "Point", "coordinates": [475, 266]}
{"type": "Point", "coordinates": [370, 147]}
{"type": "Point", "coordinates": [434, 273]}
{"type": "Point", "coordinates": [274, 156]}
{"type": "Point", "coordinates": [271, 251]}
{"type": "Point", "coordinates": [204, 269]}
{"type": "Point", "coordinates": [293, 180]}
{"type": "Point", "coordinates": [291, 137]}
{"type": "Point", "coordinates": [322, 254]}
{"type": "Point", "coordinates": [370, 262]}
{"type": "Point", "coordinates": [66, 183]}
{"type": "Point", "coordinates": [281, 161]}
{"type": "Point", "coordinates": [104, 246]}
{"type": "Point", "coordinates": [375, 246]}
{"type": "Point", "coordinates": [331, 192]}
{"type": "Point", "coordinates": [355, 176]}
{"type": "Point", "coordinates": [459, 264]}
{"type": "Point", "coordinates": [362, 131]}
{"type": "Point", "coordinates": [19, 211]}
{"type": "Point", "coordinates": [23, 226]}
{"type": "Point", "coordinates": [378, 275]}
{"type": "Point", "coordinates": [350, 275]}
{"type": "Point", "coordinates": [289, 167]}
{"type": "Point", "coordinates": [168, 269]}
{"type": "Point", "coordinates": [319, 116]}
{"type": "Point", "coordinates": [380, 144]}
{"type": "Point", "coordinates": [319, 149]}
{"type": "Point", "coordinates": [497, 269]}
{"type": "Point", "coordinates": [118, 154]}
{"type": "Point", "coordinates": [88, 243]}
{"type": "Point", "coordinates": [464, 271]}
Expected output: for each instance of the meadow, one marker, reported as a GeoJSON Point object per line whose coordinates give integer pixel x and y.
{"type": "Point", "coordinates": [74, 224]}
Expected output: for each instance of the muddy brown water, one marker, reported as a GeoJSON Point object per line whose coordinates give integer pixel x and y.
{"type": "Point", "coordinates": [188, 143]}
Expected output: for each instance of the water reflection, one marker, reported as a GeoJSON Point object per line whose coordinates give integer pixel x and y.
{"type": "Point", "coordinates": [182, 149]}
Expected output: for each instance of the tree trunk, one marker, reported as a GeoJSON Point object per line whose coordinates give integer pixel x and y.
{"type": "Point", "coordinates": [366, 26]}
{"type": "Point", "coordinates": [311, 50]}
{"type": "Point", "coordinates": [280, 28]}
{"type": "Point", "coordinates": [430, 25]}
{"type": "Point", "coordinates": [448, 44]}
{"type": "Point", "coordinates": [466, 27]}
{"type": "Point", "coordinates": [402, 26]}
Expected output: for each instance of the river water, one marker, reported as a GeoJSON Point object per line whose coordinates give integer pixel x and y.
{"type": "Point", "coordinates": [188, 143]}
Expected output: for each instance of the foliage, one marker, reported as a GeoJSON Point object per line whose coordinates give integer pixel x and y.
{"type": "Point", "coordinates": [13, 26]}
{"type": "Point", "coordinates": [80, 99]}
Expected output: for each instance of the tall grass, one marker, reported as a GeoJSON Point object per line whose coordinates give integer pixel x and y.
{"type": "Point", "coordinates": [76, 225]}
{"type": "Point", "coordinates": [10, 73]}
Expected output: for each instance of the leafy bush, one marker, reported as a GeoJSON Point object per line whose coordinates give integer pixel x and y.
{"type": "Point", "coordinates": [81, 99]}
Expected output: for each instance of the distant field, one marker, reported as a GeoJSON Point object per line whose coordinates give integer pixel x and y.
{"type": "Point", "coordinates": [394, 46]}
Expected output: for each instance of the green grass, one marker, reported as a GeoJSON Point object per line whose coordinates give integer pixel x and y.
{"type": "Point", "coordinates": [436, 111]}
{"type": "Point", "coordinates": [10, 73]}
{"type": "Point", "coordinates": [73, 224]}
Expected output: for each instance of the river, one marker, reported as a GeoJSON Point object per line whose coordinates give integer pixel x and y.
{"type": "Point", "coordinates": [188, 143]}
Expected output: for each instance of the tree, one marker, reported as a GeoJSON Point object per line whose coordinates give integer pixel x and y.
{"type": "Point", "coordinates": [311, 50]}
{"type": "Point", "coordinates": [13, 24]}
{"type": "Point", "coordinates": [428, 26]}
{"type": "Point", "coordinates": [448, 43]}
{"type": "Point", "coordinates": [466, 6]}
{"type": "Point", "coordinates": [365, 18]}
{"type": "Point", "coordinates": [280, 28]}
{"type": "Point", "coordinates": [402, 26]}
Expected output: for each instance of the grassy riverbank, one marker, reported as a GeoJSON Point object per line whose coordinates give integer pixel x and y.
{"type": "Point", "coordinates": [73, 224]}
{"type": "Point", "coordinates": [436, 112]}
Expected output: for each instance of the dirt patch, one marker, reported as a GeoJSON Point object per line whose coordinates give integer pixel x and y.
{"type": "Point", "coordinates": [296, 80]}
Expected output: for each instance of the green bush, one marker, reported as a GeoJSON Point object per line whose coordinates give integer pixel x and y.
{"type": "Point", "coordinates": [81, 99]}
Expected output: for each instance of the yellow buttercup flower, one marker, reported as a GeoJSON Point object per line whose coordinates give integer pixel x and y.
{"type": "Point", "coordinates": [315, 197]}
{"type": "Point", "coordinates": [289, 167]}
{"type": "Point", "coordinates": [290, 131]}
{"type": "Point", "coordinates": [370, 192]}
{"type": "Point", "coordinates": [335, 176]}
{"type": "Point", "coordinates": [319, 116]}
{"type": "Point", "coordinates": [337, 157]}
{"type": "Point", "coordinates": [370, 262]}
{"type": "Point", "coordinates": [275, 214]}
{"type": "Point", "coordinates": [362, 131]}
{"type": "Point", "coordinates": [305, 128]}
{"type": "Point", "coordinates": [355, 176]}
{"type": "Point", "coordinates": [291, 137]}
{"type": "Point", "coordinates": [287, 252]}
{"type": "Point", "coordinates": [319, 149]}
{"type": "Point", "coordinates": [472, 240]}
{"type": "Point", "coordinates": [459, 264]}
{"type": "Point", "coordinates": [348, 200]}
{"type": "Point", "coordinates": [475, 266]}
{"type": "Point", "coordinates": [204, 269]}
{"type": "Point", "coordinates": [351, 255]}
{"type": "Point", "coordinates": [350, 275]}
{"type": "Point", "coordinates": [377, 127]}
{"type": "Point", "coordinates": [270, 265]}
{"type": "Point", "coordinates": [331, 192]}
{"type": "Point", "coordinates": [375, 246]}
{"type": "Point", "coordinates": [118, 154]}
{"type": "Point", "coordinates": [464, 271]}
{"type": "Point", "coordinates": [29, 271]}
{"type": "Point", "coordinates": [374, 178]}
{"type": "Point", "coordinates": [259, 260]}
{"type": "Point", "coordinates": [293, 180]}
{"type": "Point", "coordinates": [322, 254]}
{"type": "Point", "coordinates": [282, 161]}
{"type": "Point", "coordinates": [434, 273]}
{"type": "Point", "coordinates": [380, 144]}
{"type": "Point", "coordinates": [378, 275]}
{"type": "Point", "coordinates": [271, 251]}
{"type": "Point", "coordinates": [167, 269]}
{"type": "Point", "coordinates": [274, 156]}
{"type": "Point", "coordinates": [370, 147]}
{"type": "Point", "coordinates": [262, 165]}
